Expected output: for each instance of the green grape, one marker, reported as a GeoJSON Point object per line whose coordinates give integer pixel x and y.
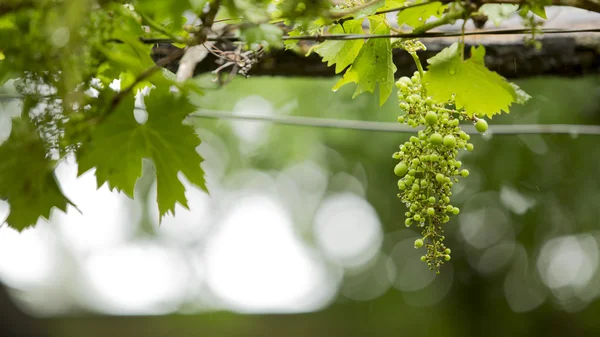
{"type": "Point", "coordinates": [431, 118]}
{"type": "Point", "coordinates": [481, 125]}
{"type": "Point", "coordinates": [401, 169]}
{"type": "Point", "coordinates": [440, 178]}
{"type": "Point", "coordinates": [436, 139]}
{"type": "Point", "coordinates": [430, 170]}
{"type": "Point", "coordinates": [449, 141]}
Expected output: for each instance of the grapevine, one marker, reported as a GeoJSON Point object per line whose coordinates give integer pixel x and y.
{"type": "Point", "coordinates": [428, 165]}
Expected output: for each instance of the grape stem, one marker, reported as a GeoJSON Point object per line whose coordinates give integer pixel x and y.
{"type": "Point", "coordinates": [417, 62]}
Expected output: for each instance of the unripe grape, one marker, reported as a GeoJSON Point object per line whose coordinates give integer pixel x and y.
{"type": "Point", "coordinates": [401, 169]}
{"type": "Point", "coordinates": [447, 257]}
{"type": "Point", "coordinates": [404, 106]}
{"type": "Point", "coordinates": [413, 139]}
{"type": "Point", "coordinates": [418, 243]}
{"type": "Point", "coordinates": [436, 138]}
{"type": "Point", "coordinates": [415, 187]}
{"type": "Point", "coordinates": [412, 172]}
{"type": "Point", "coordinates": [449, 208]}
{"type": "Point", "coordinates": [431, 118]}
{"type": "Point", "coordinates": [464, 173]}
{"type": "Point", "coordinates": [447, 251]}
{"type": "Point", "coordinates": [481, 125]}
{"type": "Point", "coordinates": [423, 258]}
{"type": "Point", "coordinates": [430, 211]}
{"type": "Point", "coordinates": [440, 178]}
{"type": "Point", "coordinates": [449, 141]}
{"type": "Point", "coordinates": [415, 162]}
{"type": "Point", "coordinates": [431, 200]}
{"type": "Point", "coordinates": [401, 185]}
{"type": "Point", "coordinates": [463, 135]}
{"type": "Point", "coordinates": [401, 119]}
{"type": "Point", "coordinates": [454, 122]}
{"type": "Point", "coordinates": [408, 222]}
{"type": "Point", "coordinates": [405, 80]}
{"type": "Point", "coordinates": [417, 217]}
{"type": "Point", "coordinates": [469, 147]}
{"type": "Point", "coordinates": [455, 210]}
{"type": "Point", "coordinates": [396, 155]}
{"type": "Point", "coordinates": [408, 214]}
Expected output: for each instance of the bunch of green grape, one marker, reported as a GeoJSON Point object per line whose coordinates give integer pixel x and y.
{"type": "Point", "coordinates": [428, 165]}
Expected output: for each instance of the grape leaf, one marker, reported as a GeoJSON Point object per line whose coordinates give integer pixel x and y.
{"type": "Point", "coordinates": [369, 9]}
{"type": "Point", "coordinates": [27, 178]}
{"type": "Point", "coordinates": [164, 11]}
{"type": "Point", "coordinates": [393, 4]}
{"type": "Point", "coordinates": [476, 89]}
{"type": "Point", "coordinates": [416, 16]}
{"type": "Point", "coordinates": [119, 144]}
{"type": "Point", "coordinates": [373, 65]}
{"type": "Point", "coordinates": [497, 13]}
{"type": "Point", "coordinates": [262, 34]}
{"type": "Point", "coordinates": [342, 53]}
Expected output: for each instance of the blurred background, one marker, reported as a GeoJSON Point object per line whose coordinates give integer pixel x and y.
{"type": "Point", "coordinates": [303, 235]}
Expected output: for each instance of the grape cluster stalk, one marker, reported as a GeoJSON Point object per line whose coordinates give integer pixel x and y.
{"type": "Point", "coordinates": [428, 165]}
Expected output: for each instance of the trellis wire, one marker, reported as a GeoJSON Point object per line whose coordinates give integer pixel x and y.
{"type": "Point", "coordinates": [502, 129]}
{"type": "Point", "coordinates": [424, 35]}
{"type": "Point", "coordinates": [336, 123]}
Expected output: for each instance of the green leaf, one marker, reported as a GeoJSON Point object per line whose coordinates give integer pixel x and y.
{"type": "Point", "coordinates": [392, 4]}
{"type": "Point", "coordinates": [342, 53]}
{"type": "Point", "coordinates": [373, 65]}
{"type": "Point", "coordinates": [263, 34]}
{"type": "Point", "coordinates": [369, 9]}
{"type": "Point", "coordinates": [539, 10]}
{"type": "Point", "coordinates": [119, 144]}
{"type": "Point", "coordinates": [475, 88]}
{"type": "Point", "coordinates": [416, 16]}
{"type": "Point", "coordinates": [170, 12]}
{"type": "Point", "coordinates": [497, 13]}
{"type": "Point", "coordinates": [27, 178]}
{"type": "Point", "coordinates": [522, 96]}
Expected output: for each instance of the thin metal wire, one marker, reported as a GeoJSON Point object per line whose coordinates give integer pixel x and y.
{"type": "Point", "coordinates": [509, 129]}
{"type": "Point", "coordinates": [424, 35]}
{"type": "Point", "coordinates": [335, 123]}
{"type": "Point", "coordinates": [438, 34]}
